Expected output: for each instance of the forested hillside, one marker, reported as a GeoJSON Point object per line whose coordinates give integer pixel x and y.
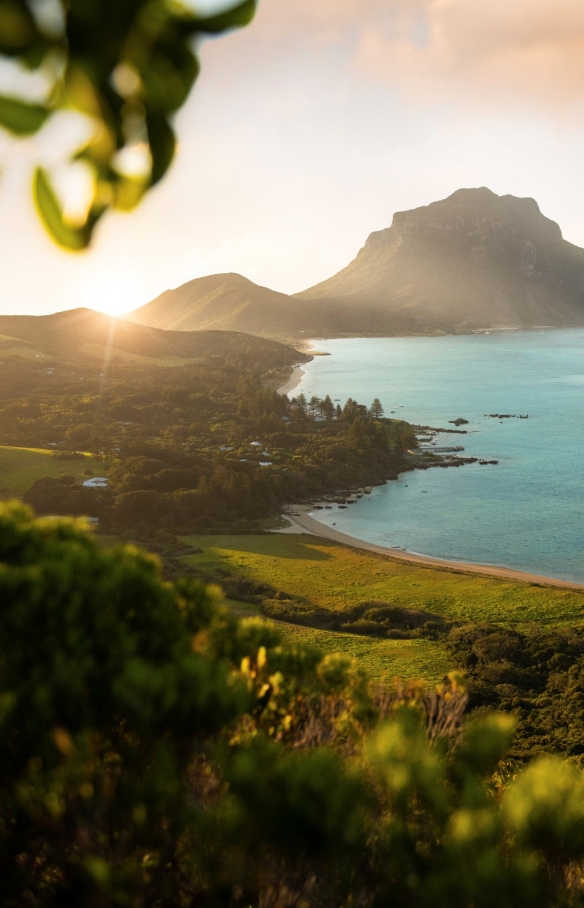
{"type": "Point", "coordinates": [198, 446]}
{"type": "Point", "coordinates": [171, 733]}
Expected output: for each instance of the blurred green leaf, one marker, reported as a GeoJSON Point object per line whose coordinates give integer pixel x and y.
{"type": "Point", "coordinates": [237, 16]}
{"type": "Point", "coordinates": [162, 145]}
{"type": "Point", "coordinates": [52, 215]}
{"type": "Point", "coordinates": [17, 28]}
{"type": "Point", "coordinates": [21, 118]}
{"type": "Point", "coordinates": [95, 40]}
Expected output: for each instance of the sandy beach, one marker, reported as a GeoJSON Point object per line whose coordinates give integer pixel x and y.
{"type": "Point", "coordinates": [293, 381]}
{"type": "Point", "coordinates": [301, 522]}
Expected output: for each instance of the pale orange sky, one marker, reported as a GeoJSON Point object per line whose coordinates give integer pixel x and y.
{"type": "Point", "coordinates": [308, 129]}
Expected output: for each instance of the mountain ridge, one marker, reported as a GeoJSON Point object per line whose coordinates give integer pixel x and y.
{"type": "Point", "coordinates": [232, 302]}
{"type": "Point", "coordinates": [472, 261]}
{"type": "Point", "coordinates": [82, 333]}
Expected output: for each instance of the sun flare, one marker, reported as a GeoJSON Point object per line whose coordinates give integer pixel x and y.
{"type": "Point", "coordinates": [116, 308]}
{"type": "Point", "coordinates": [114, 294]}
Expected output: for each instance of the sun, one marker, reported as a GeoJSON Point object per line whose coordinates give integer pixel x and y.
{"type": "Point", "coordinates": [116, 308]}
{"type": "Point", "coordinates": [113, 293]}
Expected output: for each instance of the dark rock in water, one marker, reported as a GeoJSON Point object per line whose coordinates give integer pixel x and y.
{"type": "Point", "coordinates": [459, 422]}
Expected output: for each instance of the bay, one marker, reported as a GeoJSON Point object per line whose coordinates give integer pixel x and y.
{"type": "Point", "coordinates": [524, 513]}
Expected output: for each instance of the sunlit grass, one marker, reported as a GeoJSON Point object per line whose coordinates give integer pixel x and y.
{"type": "Point", "coordinates": [333, 576]}
{"type": "Point", "coordinates": [100, 351]}
{"type": "Point", "coordinates": [23, 352]}
{"type": "Point", "coordinates": [381, 659]}
{"type": "Point", "coordinates": [20, 467]}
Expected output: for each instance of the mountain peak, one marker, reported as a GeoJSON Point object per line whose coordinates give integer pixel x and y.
{"type": "Point", "coordinates": [475, 259]}
{"type": "Point", "coordinates": [229, 302]}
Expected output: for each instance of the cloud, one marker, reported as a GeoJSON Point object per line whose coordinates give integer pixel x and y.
{"type": "Point", "coordinates": [495, 51]}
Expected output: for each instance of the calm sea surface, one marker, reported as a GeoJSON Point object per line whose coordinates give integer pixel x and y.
{"type": "Point", "coordinates": [525, 513]}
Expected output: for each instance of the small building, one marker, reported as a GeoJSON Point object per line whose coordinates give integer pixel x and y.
{"type": "Point", "coordinates": [96, 482]}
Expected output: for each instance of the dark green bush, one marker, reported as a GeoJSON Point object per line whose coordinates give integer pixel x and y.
{"type": "Point", "coordinates": [154, 751]}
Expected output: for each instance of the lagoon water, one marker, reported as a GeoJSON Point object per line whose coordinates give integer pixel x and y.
{"type": "Point", "coordinates": [526, 512]}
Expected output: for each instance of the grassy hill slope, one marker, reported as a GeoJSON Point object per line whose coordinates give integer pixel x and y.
{"type": "Point", "coordinates": [323, 576]}
{"type": "Point", "coordinates": [230, 302]}
{"type": "Point", "coordinates": [20, 467]}
{"type": "Point", "coordinates": [82, 333]}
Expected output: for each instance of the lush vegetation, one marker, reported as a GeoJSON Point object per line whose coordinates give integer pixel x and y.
{"type": "Point", "coordinates": [327, 581]}
{"type": "Point", "coordinates": [384, 659]}
{"type": "Point", "coordinates": [520, 646]}
{"type": "Point", "coordinates": [155, 751]}
{"type": "Point", "coordinates": [204, 445]}
{"type": "Point", "coordinates": [158, 749]}
{"type": "Point", "coordinates": [21, 467]}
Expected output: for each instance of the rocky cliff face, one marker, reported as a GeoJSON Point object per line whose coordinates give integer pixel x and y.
{"type": "Point", "coordinates": [473, 260]}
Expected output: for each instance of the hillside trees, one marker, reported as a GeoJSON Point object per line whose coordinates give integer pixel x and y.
{"type": "Point", "coordinates": [209, 443]}
{"type": "Point", "coordinates": [376, 409]}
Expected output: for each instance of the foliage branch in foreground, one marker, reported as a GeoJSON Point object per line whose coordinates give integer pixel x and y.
{"type": "Point", "coordinates": [155, 751]}
{"type": "Point", "coordinates": [128, 66]}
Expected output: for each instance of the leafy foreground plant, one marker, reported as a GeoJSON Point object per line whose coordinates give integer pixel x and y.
{"type": "Point", "coordinates": [127, 66]}
{"type": "Point", "coordinates": [154, 751]}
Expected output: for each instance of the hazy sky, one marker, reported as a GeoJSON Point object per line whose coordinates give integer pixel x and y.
{"type": "Point", "coordinates": [307, 130]}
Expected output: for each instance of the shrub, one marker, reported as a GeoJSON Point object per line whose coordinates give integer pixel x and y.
{"type": "Point", "coordinates": [154, 751]}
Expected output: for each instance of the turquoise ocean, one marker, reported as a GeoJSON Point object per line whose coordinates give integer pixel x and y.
{"type": "Point", "coordinates": [528, 511]}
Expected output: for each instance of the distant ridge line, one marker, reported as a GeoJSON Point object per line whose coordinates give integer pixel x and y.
{"type": "Point", "coordinates": [467, 263]}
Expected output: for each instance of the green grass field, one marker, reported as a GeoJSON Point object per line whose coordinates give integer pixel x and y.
{"type": "Point", "coordinates": [334, 576]}
{"type": "Point", "coordinates": [24, 352]}
{"type": "Point", "coordinates": [101, 352]}
{"type": "Point", "coordinates": [382, 659]}
{"type": "Point", "coordinates": [20, 467]}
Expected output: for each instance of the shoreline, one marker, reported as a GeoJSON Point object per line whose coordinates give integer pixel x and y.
{"type": "Point", "coordinates": [292, 382]}
{"type": "Point", "coordinates": [301, 522]}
